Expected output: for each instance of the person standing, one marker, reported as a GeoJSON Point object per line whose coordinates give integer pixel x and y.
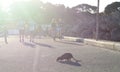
{"type": "Point", "coordinates": [32, 31]}
{"type": "Point", "coordinates": [54, 29]}
{"type": "Point", "coordinates": [5, 35]}
{"type": "Point", "coordinates": [21, 32]}
{"type": "Point", "coordinates": [59, 28]}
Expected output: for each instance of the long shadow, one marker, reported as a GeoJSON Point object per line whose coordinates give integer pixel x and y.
{"type": "Point", "coordinates": [29, 44]}
{"type": "Point", "coordinates": [73, 43]}
{"type": "Point", "coordinates": [70, 63]}
{"type": "Point", "coordinates": [44, 45]}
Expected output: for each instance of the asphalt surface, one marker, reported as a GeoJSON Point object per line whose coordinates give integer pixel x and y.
{"type": "Point", "coordinates": [41, 55]}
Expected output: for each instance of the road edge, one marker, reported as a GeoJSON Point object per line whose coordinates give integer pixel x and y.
{"type": "Point", "coordinates": [100, 43]}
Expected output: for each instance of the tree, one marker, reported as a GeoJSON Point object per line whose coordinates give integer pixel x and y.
{"type": "Point", "coordinates": [115, 6]}
{"type": "Point", "coordinates": [85, 8]}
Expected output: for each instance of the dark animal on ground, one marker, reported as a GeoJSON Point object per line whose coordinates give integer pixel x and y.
{"type": "Point", "coordinates": [67, 57]}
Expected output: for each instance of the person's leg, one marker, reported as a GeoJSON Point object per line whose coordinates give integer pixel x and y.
{"type": "Point", "coordinates": [31, 36]}
{"type": "Point", "coordinates": [22, 37]}
{"type": "Point", "coordinates": [55, 35]}
{"type": "Point", "coordinates": [6, 39]}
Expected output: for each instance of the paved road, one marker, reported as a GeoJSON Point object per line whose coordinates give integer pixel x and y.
{"type": "Point", "coordinates": [41, 55]}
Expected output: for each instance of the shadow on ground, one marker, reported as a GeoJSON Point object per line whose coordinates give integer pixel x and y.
{"type": "Point", "coordinates": [73, 43]}
{"type": "Point", "coordinates": [29, 44]}
{"type": "Point", "coordinates": [44, 45]}
{"type": "Point", "coordinates": [70, 63]}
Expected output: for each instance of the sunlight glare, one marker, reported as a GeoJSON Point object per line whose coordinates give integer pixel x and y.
{"type": "Point", "coordinates": [6, 4]}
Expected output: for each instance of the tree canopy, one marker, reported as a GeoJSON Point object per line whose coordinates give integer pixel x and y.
{"type": "Point", "coordinates": [79, 20]}
{"type": "Point", "coordinates": [85, 8]}
{"type": "Point", "coordinates": [115, 6]}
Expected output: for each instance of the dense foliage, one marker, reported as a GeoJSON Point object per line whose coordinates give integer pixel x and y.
{"type": "Point", "coordinates": [78, 21]}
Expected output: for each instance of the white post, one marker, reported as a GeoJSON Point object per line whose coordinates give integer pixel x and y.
{"type": "Point", "coordinates": [97, 21]}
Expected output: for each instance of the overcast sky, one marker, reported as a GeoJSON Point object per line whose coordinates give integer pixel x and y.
{"type": "Point", "coordinates": [71, 3]}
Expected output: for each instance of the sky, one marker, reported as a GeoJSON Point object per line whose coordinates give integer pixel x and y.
{"type": "Point", "coordinates": [67, 3]}
{"type": "Point", "coordinates": [71, 3]}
